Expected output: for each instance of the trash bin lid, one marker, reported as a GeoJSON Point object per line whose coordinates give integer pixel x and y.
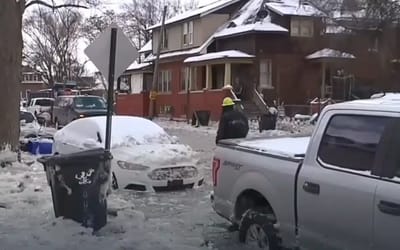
{"type": "Point", "coordinates": [98, 154]}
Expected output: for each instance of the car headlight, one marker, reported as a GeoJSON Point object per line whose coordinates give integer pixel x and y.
{"type": "Point", "coordinates": [132, 166]}
{"type": "Point", "coordinates": [189, 172]}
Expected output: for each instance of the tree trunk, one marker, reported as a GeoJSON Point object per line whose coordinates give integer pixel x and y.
{"type": "Point", "coordinates": [10, 71]}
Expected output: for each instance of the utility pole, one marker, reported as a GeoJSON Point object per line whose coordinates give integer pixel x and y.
{"type": "Point", "coordinates": [156, 69]}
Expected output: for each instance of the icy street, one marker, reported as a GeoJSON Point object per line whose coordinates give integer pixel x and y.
{"type": "Point", "coordinates": [170, 220]}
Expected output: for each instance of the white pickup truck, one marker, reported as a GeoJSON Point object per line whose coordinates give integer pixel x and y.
{"type": "Point", "coordinates": [338, 189]}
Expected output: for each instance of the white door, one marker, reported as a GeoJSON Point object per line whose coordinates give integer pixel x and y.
{"type": "Point", "coordinates": [387, 200]}
{"type": "Point", "coordinates": [336, 187]}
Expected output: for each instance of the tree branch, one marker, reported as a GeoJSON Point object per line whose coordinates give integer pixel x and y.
{"type": "Point", "coordinates": [39, 2]}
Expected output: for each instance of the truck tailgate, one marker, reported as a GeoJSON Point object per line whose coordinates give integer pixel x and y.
{"type": "Point", "coordinates": [291, 147]}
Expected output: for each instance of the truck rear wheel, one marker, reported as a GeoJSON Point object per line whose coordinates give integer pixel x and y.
{"type": "Point", "coordinates": [257, 229]}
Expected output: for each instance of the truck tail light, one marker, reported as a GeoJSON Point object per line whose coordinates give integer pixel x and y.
{"type": "Point", "coordinates": [215, 168]}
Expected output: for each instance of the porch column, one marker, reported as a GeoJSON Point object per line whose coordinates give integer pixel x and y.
{"type": "Point", "coordinates": [227, 75]}
{"type": "Point", "coordinates": [208, 76]}
{"type": "Point", "coordinates": [323, 85]}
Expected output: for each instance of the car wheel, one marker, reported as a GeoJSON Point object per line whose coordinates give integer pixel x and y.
{"type": "Point", "coordinates": [257, 230]}
{"type": "Point", "coordinates": [114, 183]}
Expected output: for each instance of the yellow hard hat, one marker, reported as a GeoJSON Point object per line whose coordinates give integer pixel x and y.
{"type": "Point", "coordinates": [227, 102]}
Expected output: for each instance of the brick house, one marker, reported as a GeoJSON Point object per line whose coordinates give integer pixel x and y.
{"type": "Point", "coordinates": [186, 35]}
{"type": "Point", "coordinates": [285, 51]}
{"type": "Point", "coordinates": [31, 81]}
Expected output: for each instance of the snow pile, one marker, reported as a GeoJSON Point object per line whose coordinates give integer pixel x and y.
{"type": "Point", "coordinates": [246, 20]}
{"type": "Point", "coordinates": [330, 53]}
{"type": "Point", "coordinates": [156, 155]}
{"type": "Point", "coordinates": [293, 8]}
{"type": "Point", "coordinates": [290, 147]}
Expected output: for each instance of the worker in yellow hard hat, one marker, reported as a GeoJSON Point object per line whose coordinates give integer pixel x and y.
{"type": "Point", "coordinates": [233, 123]}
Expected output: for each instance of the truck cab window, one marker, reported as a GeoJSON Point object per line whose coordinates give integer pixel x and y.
{"type": "Point", "coordinates": [351, 141]}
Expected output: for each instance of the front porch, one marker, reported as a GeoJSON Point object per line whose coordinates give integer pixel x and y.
{"type": "Point", "coordinates": [336, 80]}
{"type": "Point", "coordinates": [218, 70]}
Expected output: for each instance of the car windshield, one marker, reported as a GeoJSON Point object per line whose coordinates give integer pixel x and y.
{"type": "Point", "coordinates": [28, 117]}
{"type": "Point", "coordinates": [89, 102]}
{"type": "Point", "coordinates": [44, 102]}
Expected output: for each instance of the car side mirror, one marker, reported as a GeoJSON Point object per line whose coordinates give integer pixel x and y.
{"type": "Point", "coordinates": [41, 120]}
{"type": "Point", "coordinates": [90, 143]}
{"type": "Point", "coordinates": [22, 122]}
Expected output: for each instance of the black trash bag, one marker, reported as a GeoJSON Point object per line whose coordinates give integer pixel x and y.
{"type": "Point", "coordinates": [79, 185]}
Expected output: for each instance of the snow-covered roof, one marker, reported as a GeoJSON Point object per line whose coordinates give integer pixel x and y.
{"type": "Point", "coordinates": [330, 53]}
{"type": "Point", "coordinates": [293, 8]}
{"type": "Point", "coordinates": [136, 66]}
{"type": "Point", "coordinates": [254, 27]}
{"type": "Point", "coordinates": [246, 20]}
{"type": "Point", "coordinates": [202, 11]}
{"type": "Point", "coordinates": [232, 54]}
{"type": "Point", "coordinates": [147, 47]}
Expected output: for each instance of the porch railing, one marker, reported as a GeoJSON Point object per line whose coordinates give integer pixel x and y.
{"type": "Point", "coordinates": [259, 101]}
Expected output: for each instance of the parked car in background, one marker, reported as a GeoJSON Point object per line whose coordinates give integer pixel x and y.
{"type": "Point", "coordinates": [40, 105]}
{"type": "Point", "coordinates": [145, 157]}
{"type": "Point", "coordinates": [337, 189]}
{"type": "Point", "coordinates": [29, 125]}
{"type": "Point", "coordinates": [68, 108]}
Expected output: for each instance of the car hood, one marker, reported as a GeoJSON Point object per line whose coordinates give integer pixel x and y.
{"type": "Point", "coordinates": [156, 155]}
{"type": "Point", "coordinates": [29, 128]}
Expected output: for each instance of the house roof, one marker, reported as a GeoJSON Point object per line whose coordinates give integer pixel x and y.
{"type": "Point", "coordinates": [137, 66]}
{"type": "Point", "coordinates": [249, 19]}
{"type": "Point", "coordinates": [231, 54]}
{"type": "Point", "coordinates": [147, 47]}
{"type": "Point", "coordinates": [330, 54]}
{"type": "Point", "coordinates": [293, 8]}
{"type": "Point", "coordinates": [202, 11]}
{"type": "Point", "coordinates": [263, 26]}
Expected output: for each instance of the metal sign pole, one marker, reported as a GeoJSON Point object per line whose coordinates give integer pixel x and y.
{"type": "Point", "coordinates": [110, 96]}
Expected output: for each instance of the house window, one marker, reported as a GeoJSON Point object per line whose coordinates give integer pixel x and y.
{"type": "Point", "coordinates": [301, 27]}
{"type": "Point", "coordinates": [185, 78]}
{"type": "Point", "coordinates": [266, 74]}
{"type": "Point", "coordinates": [164, 81]}
{"type": "Point", "coordinates": [164, 43]}
{"type": "Point", "coordinates": [191, 32]}
{"type": "Point", "coordinates": [188, 33]}
{"type": "Point", "coordinates": [351, 141]}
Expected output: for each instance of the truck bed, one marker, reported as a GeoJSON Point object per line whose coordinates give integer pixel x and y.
{"type": "Point", "coordinates": [287, 147]}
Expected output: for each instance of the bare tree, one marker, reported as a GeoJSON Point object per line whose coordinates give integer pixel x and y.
{"type": "Point", "coordinates": [360, 14]}
{"type": "Point", "coordinates": [97, 23]}
{"type": "Point", "coordinates": [138, 15]}
{"type": "Point", "coordinates": [52, 43]}
{"type": "Point", "coordinates": [11, 59]}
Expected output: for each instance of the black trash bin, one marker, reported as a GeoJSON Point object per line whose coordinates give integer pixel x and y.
{"type": "Point", "coordinates": [267, 122]}
{"type": "Point", "coordinates": [201, 118]}
{"type": "Point", "coordinates": [79, 183]}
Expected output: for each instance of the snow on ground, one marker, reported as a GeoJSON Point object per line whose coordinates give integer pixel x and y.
{"type": "Point", "coordinates": [174, 220]}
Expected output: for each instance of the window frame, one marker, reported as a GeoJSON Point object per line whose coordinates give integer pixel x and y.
{"type": "Point", "coordinates": [165, 81]}
{"type": "Point", "coordinates": [185, 33]}
{"type": "Point", "coordinates": [164, 37]}
{"type": "Point", "coordinates": [325, 124]}
{"type": "Point", "coordinates": [268, 74]}
{"type": "Point", "coordinates": [301, 24]}
{"type": "Point", "coordinates": [190, 31]}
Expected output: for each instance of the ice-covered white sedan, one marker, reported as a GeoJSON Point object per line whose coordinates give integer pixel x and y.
{"type": "Point", "coordinates": [145, 157]}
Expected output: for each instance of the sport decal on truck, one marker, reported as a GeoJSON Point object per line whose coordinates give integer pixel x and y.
{"type": "Point", "coordinates": [233, 165]}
